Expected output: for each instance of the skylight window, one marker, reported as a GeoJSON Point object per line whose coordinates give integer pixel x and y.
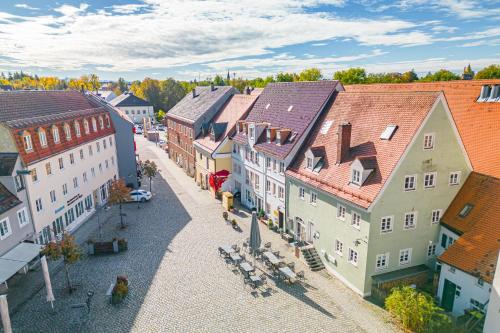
{"type": "Point", "coordinates": [466, 210]}
{"type": "Point", "coordinates": [388, 132]}
{"type": "Point", "coordinates": [326, 126]}
{"type": "Point", "coordinates": [268, 105]}
{"type": "Point", "coordinates": [290, 108]}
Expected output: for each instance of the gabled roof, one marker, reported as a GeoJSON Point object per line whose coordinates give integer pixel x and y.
{"type": "Point", "coordinates": [478, 123]}
{"type": "Point", "coordinates": [369, 114]}
{"type": "Point", "coordinates": [476, 250]}
{"type": "Point", "coordinates": [235, 109]}
{"type": "Point", "coordinates": [192, 108]}
{"type": "Point", "coordinates": [7, 163]}
{"type": "Point", "coordinates": [128, 99]}
{"type": "Point", "coordinates": [288, 105]}
{"type": "Point", "coordinates": [7, 199]}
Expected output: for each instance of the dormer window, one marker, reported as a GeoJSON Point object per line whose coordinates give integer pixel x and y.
{"type": "Point", "coordinates": [251, 132]}
{"type": "Point", "coordinates": [67, 132]}
{"type": "Point", "coordinates": [42, 137]}
{"type": "Point", "coordinates": [278, 137]}
{"type": "Point", "coordinates": [361, 168]}
{"type": "Point", "coordinates": [78, 133]}
{"type": "Point", "coordinates": [28, 145]}
{"type": "Point", "coordinates": [55, 134]}
{"type": "Point", "coordinates": [314, 158]}
{"type": "Point", "coordinates": [108, 123]}
{"type": "Point", "coordinates": [356, 177]}
{"type": "Point", "coordinates": [94, 125]}
{"type": "Point", "coordinates": [101, 122]}
{"type": "Point", "coordinates": [86, 126]}
{"type": "Point", "coordinates": [268, 135]}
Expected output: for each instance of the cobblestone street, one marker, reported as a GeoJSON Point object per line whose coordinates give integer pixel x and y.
{"type": "Point", "coordinates": [178, 282]}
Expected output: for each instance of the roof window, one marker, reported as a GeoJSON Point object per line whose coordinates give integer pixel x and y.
{"type": "Point", "coordinates": [268, 105]}
{"type": "Point", "coordinates": [290, 108]}
{"type": "Point", "coordinates": [466, 210]}
{"type": "Point", "coordinates": [388, 132]}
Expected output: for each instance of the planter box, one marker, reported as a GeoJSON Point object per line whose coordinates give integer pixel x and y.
{"type": "Point", "coordinates": [107, 247]}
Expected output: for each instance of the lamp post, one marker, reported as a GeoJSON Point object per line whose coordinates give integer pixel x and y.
{"type": "Point", "coordinates": [98, 208]}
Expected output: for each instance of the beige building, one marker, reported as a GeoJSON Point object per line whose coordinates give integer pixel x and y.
{"type": "Point", "coordinates": [214, 146]}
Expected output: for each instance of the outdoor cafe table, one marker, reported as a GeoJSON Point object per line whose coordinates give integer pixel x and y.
{"type": "Point", "coordinates": [272, 258]}
{"type": "Point", "coordinates": [247, 268]}
{"type": "Point", "coordinates": [256, 280]}
{"type": "Point", "coordinates": [235, 257]}
{"type": "Point", "coordinates": [288, 273]}
{"type": "Point", "coordinates": [227, 249]}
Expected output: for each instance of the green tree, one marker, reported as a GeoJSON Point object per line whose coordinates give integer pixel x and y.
{"type": "Point", "coordinates": [310, 74]}
{"type": "Point", "coordinates": [66, 249]}
{"type": "Point", "coordinates": [239, 84]}
{"type": "Point", "coordinates": [490, 72]}
{"type": "Point", "coordinates": [409, 76]}
{"type": "Point", "coordinates": [441, 75]}
{"type": "Point", "coordinates": [417, 311]}
{"type": "Point", "coordinates": [219, 81]}
{"type": "Point", "coordinates": [285, 77]}
{"type": "Point", "coordinates": [351, 76]}
{"type": "Point", "coordinates": [119, 193]}
{"type": "Point", "coordinates": [160, 115]}
{"type": "Point", "coordinates": [122, 85]}
{"type": "Point", "coordinates": [150, 170]}
{"type": "Point", "coordinates": [171, 92]}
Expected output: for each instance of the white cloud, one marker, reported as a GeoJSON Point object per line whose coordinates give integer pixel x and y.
{"type": "Point", "coordinates": [490, 42]}
{"type": "Point", "coordinates": [26, 6]}
{"type": "Point", "coordinates": [127, 9]}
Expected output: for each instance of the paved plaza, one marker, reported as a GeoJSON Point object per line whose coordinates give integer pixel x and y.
{"type": "Point", "coordinates": [178, 282]}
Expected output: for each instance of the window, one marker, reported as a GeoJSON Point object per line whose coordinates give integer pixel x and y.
{"type": "Point", "coordinates": [313, 199]}
{"type": "Point", "coordinates": [404, 257]}
{"type": "Point", "coordinates": [382, 261]}
{"type": "Point", "coordinates": [268, 186]}
{"type": "Point", "coordinates": [112, 160]}
{"type": "Point", "coordinates": [309, 163]}
{"type": "Point", "coordinates": [92, 171]}
{"type": "Point", "coordinates": [302, 192]}
{"type": "Point", "coordinates": [274, 189]}
{"type": "Point", "coordinates": [75, 182]}
{"type": "Point", "coordinates": [90, 151]}
{"type": "Point", "coordinates": [77, 129]}
{"type": "Point", "coordinates": [436, 215]}
{"type": "Point", "coordinates": [67, 132]}
{"type": "Point", "coordinates": [339, 247]}
{"type": "Point", "coordinates": [22, 217]}
{"type": "Point", "coordinates": [71, 158]}
{"type": "Point", "coordinates": [341, 212]}
{"type": "Point", "coordinates": [42, 136]}
{"type": "Point", "coordinates": [355, 220]}
{"type": "Point", "coordinates": [268, 162]}
{"type": "Point", "coordinates": [110, 141]}
{"type": "Point", "coordinates": [282, 167]}
{"type": "Point", "coordinates": [38, 203]}
{"type": "Point", "coordinates": [410, 220]}
{"type": "Point", "coordinates": [101, 122]}
{"type": "Point", "coordinates": [86, 126]}
{"type": "Point", "coordinates": [18, 179]}
{"type": "Point", "coordinates": [386, 224]}
{"type": "Point", "coordinates": [431, 250]}
{"type": "Point", "coordinates": [100, 167]}
{"type": "Point", "coordinates": [48, 169]}
{"type": "Point", "coordinates": [454, 178]}
{"type": "Point", "coordinates": [55, 134]}
{"type": "Point", "coordinates": [251, 131]}
{"type": "Point", "coordinates": [5, 228]}
{"type": "Point", "coordinates": [65, 189]}
{"type": "Point", "coordinates": [458, 291]}
{"type": "Point", "coordinates": [480, 282]}
{"type": "Point", "coordinates": [465, 211]}
{"type": "Point", "coordinates": [34, 175]}
{"type": "Point", "coordinates": [356, 177]}
{"type": "Point", "coordinates": [274, 165]}
{"type": "Point", "coordinates": [104, 143]}
{"type": "Point", "coordinates": [94, 125]}
{"type": "Point", "coordinates": [430, 179]}
{"type": "Point", "coordinates": [84, 176]}
{"type": "Point", "coordinates": [257, 182]}
{"type": "Point", "coordinates": [28, 146]}
{"type": "Point", "coordinates": [52, 196]}
{"type": "Point", "coordinates": [353, 257]}
{"type": "Point", "coordinates": [429, 141]}
{"type": "Point", "coordinates": [81, 154]}
{"type": "Point", "coordinates": [98, 146]}
{"type": "Point", "coordinates": [88, 202]}
{"type": "Point", "coordinates": [61, 163]}
{"type": "Point", "coordinates": [410, 182]}
{"type": "Point", "coordinates": [281, 192]}
{"type": "Point", "coordinates": [476, 305]}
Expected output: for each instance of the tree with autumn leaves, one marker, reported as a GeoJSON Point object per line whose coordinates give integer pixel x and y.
{"type": "Point", "coordinates": [119, 193]}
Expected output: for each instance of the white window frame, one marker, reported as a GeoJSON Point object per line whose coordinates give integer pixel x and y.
{"type": "Point", "coordinates": [432, 137]}
{"type": "Point", "coordinates": [302, 192]}
{"type": "Point", "coordinates": [341, 212]}
{"type": "Point", "coordinates": [383, 257]}
{"type": "Point", "coordinates": [457, 176]}
{"type": "Point", "coordinates": [352, 257]}
{"type": "Point", "coordinates": [28, 144]}
{"type": "Point", "coordinates": [65, 188]}
{"type": "Point", "coordinates": [339, 247]}
{"type": "Point", "coordinates": [431, 250]}
{"type": "Point", "coordinates": [389, 218]}
{"type": "Point", "coordinates": [408, 260]}
{"type": "Point", "coordinates": [39, 204]}
{"type": "Point", "coordinates": [78, 132]}
{"type": "Point", "coordinates": [356, 220]}
{"type": "Point", "coordinates": [7, 225]}
{"type": "Point", "coordinates": [356, 177]}
{"type": "Point", "coordinates": [53, 197]}
{"type": "Point", "coordinates": [434, 178]}
{"type": "Point", "coordinates": [23, 217]}
{"type": "Point", "coordinates": [439, 213]}
{"type": "Point", "coordinates": [55, 135]}
{"type": "Point", "coordinates": [414, 225]}
{"type": "Point", "coordinates": [414, 183]}
{"type": "Point", "coordinates": [313, 198]}
{"type": "Point", "coordinates": [42, 137]}
{"type": "Point", "coordinates": [309, 163]}
{"type": "Point", "coordinates": [67, 132]}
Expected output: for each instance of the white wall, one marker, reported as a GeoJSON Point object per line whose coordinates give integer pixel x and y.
{"type": "Point", "coordinates": [469, 288]}
{"type": "Point", "coordinates": [492, 323]}
{"type": "Point", "coordinates": [46, 183]}
{"type": "Point", "coordinates": [137, 118]}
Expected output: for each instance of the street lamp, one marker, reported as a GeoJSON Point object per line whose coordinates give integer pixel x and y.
{"type": "Point", "coordinates": [98, 208]}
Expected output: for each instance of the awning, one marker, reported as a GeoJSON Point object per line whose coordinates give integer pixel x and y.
{"type": "Point", "coordinates": [14, 260]}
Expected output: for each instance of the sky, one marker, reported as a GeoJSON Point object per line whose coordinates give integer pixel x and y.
{"type": "Point", "coordinates": [199, 39]}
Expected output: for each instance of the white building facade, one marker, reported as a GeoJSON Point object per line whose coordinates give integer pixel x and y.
{"type": "Point", "coordinates": [134, 107]}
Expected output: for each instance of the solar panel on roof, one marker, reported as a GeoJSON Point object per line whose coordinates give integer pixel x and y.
{"type": "Point", "coordinates": [326, 126]}
{"type": "Point", "coordinates": [388, 132]}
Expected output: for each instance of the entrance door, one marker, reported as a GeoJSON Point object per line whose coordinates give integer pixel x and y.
{"type": "Point", "coordinates": [301, 229]}
{"type": "Point", "coordinates": [281, 220]}
{"type": "Point", "coordinates": [310, 232]}
{"type": "Point", "coordinates": [259, 204]}
{"type": "Point", "coordinates": [448, 295]}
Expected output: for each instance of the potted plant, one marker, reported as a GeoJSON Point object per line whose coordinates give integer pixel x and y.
{"type": "Point", "coordinates": [261, 214]}
{"type": "Point", "coordinates": [120, 289]}
{"type": "Point", "coordinates": [270, 224]}
{"type": "Point", "coordinates": [122, 244]}
{"type": "Point", "coordinates": [234, 223]}
{"type": "Point", "coordinates": [225, 215]}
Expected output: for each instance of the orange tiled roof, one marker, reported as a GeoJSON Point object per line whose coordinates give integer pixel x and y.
{"type": "Point", "coordinates": [369, 115]}
{"type": "Point", "coordinates": [477, 123]}
{"type": "Point", "coordinates": [476, 251]}
{"type": "Point", "coordinates": [235, 109]}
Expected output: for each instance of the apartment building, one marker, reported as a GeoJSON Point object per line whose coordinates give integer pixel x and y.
{"type": "Point", "coordinates": [66, 144]}
{"type": "Point", "coordinates": [268, 139]}
{"type": "Point", "coordinates": [136, 108]}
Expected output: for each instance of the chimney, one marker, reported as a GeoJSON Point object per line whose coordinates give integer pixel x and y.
{"type": "Point", "coordinates": [194, 92]}
{"type": "Point", "coordinates": [212, 87]}
{"type": "Point", "coordinates": [83, 89]}
{"type": "Point", "coordinates": [343, 142]}
{"type": "Point", "coordinates": [485, 92]}
{"type": "Point", "coordinates": [247, 90]}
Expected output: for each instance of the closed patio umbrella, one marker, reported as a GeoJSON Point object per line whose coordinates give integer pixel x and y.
{"type": "Point", "coordinates": [48, 284]}
{"type": "Point", "coordinates": [4, 311]}
{"type": "Point", "coordinates": [254, 235]}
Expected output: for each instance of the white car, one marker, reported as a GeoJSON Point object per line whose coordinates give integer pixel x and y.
{"type": "Point", "coordinates": [138, 130]}
{"type": "Point", "coordinates": [140, 195]}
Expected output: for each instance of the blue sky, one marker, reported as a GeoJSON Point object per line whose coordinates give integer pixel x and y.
{"type": "Point", "coordinates": [198, 39]}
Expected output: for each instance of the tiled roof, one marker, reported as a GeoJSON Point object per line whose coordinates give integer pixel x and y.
{"type": "Point", "coordinates": [128, 99]}
{"type": "Point", "coordinates": [476, 251]}
{"type": "Point", "coordinates": [7, 163]}
{"type": "Point", "coordinates": [369, 114]}
{"type": "Point", "coordinates": [477, 123]}
{"type": "Point", "coordinates": [192, 109]}
{"type": "Point", "coordinates": [7, 199]}
{"type": "Point", "coordinates": [235, 109]}
{"type": "Point", "coordinates": [304, 100]}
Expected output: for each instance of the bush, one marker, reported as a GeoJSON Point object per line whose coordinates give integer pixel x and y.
{"type": "Point", "coordinates": [417, 311]}
{"type": "Point", "coordinates": [261, 214]}
{"type": "Point", "coordinates": [225, 215]}
{"type": "Point", "coordinates": [234, 223]}
{"type": "Point", "coordinates": [270, 223]}
{"type": "Point", "coordinates": [120, 289]}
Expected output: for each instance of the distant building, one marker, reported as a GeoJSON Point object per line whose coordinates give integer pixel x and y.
{"type": "Point", "coordinates": [468, 73]}
{"type": "Point", "coordinates": [106, 95]}
{"type": "Point", "coordinates": [134, 107]}
{"type": "Point", "coordinates": [191, 118]}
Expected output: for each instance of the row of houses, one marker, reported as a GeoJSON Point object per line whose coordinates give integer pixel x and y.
{"type": "Point", "coordinates": [368, 179]}
{"type": "Point", "coordinates": [59, 153]}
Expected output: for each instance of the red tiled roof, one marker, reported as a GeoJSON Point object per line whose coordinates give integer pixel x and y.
{"type": "Point", "coordinates": [476, 251]}
{"type": "Point", "coordinates": [307, 99]}
{"type": "Point", "coordinates": [235, 109]}
{"type": "Point", "coordinates": [477, 123]}
{"type": "Point", "coordinates": [369, 115]}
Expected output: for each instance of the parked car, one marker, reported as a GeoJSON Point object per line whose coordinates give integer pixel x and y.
{"type": "Point", "coordinates": [160, 128]}
{"type": "Point", "coordinates": [140, 195]}
{"type": "Point", "coordinates": [138, 130]}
